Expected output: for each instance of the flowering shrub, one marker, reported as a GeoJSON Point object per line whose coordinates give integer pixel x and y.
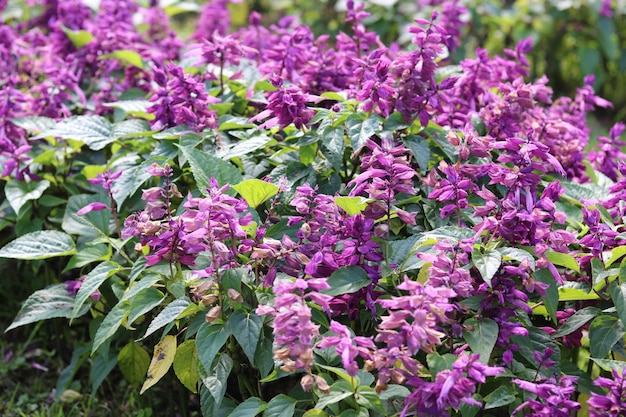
{"type": "Point", "coordinates": [397, 235]}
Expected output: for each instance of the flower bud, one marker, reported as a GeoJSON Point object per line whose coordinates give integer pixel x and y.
{"type": "Point", "coordinates": [397, 377]}
{"type": "Point", "coordinates": [209, 300]}
{"type": "Point", "coordinates": [234, 295]}
{"type": "Point", "coordinates": [306, 382]}
{"type": "Point", "coordinates": [213, 314]}
{"type": "Point", "coordinates": [321, 384]}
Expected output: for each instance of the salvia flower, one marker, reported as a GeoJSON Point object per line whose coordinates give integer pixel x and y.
{"type": "Point", "coordinates": [613, 402]}
{"type": "Point", "coordinates": [551, 397]}
{"type": "Point", "coordinates": [286, 105]}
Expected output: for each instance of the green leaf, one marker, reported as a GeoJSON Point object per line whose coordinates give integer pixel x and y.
{"type": "Point", "coordinates": [79, 38]}
{"type": "Point", "coordinates": [131, 129]}
{"type": "Point", "coordinates": [368, 397]}
{"type": "Point", "coordinates": [132, 179]}
{"type": "Point", "coordinates": [247, 330]}
{"type": "Point", "coordinates": [249, 408]}
{"type": "Point", "coordinates": [162, 360]}
{"type": "Point", "coordinates": [551, 300]}
{"type": "Point", "coordinates": [615, 255]}
{"type": "Point", "coordinates": [217, 382]}
{"type": "Point", "coordinates": [97, 222]}
{"type": "Point", "coordinates": [34, 124]}
{"type": "Point", "coordinates": [576, 294]}
{"type": "Point", "coordinates": [19, 192]}
{"type": "Point", "coordinates": [209, 341]}
{"type": "Point", "coordinates": [437, 363]}
{"type": "Point", "coordinates": [95, 131]}
{"type": "Point", "coordinates": [577, 320]}
{"type": "Point", "coordinates": [255, 191]}
{"type": "Point", "coordinates": [333, 146]}
{"type": "Point", "coordinates": [609, 41]}
{"type": "Point", "coordinates": [618, 295]}
{"type": "Point", "coordinates": [338, 391]}
{"type": "Point", "coordinates": [125, 56]}
{"type": "Point", "coordinates": [264, 355]}
{"type": "Point", "coordinates": [487, 263]}
{"type": "Point", "coordinates": [563, 259]}
{"type": "Point", "coordinates": [340, 372]}
{"type": "Point", "coordinates": [394, 391]}
{"type": "Point", "coordinates": [347, 280]}
{"type": "Point", "coordinates": [501, 396]}
{"type": "Point", "coordinates": [308, 153]}
{"type": "Point", "coordinates": [351, 205]}
{"type": "Point", "coordinates": [101, 367]}
{"type": "Point", "coordinates": [247, 146]}
{"type": "Point", "coordinates": [146, 300]}
{"type": "Point", "coordinates": [167, 315]}
{"type": "Point", "coordinates": [186, 365]}
{"type": "Point", "coordinates": [39, 245]}
{"type": "Point", "coordinates": [538, 341]}
{"type": "Point", "coordinates": [133, 361]}
{"type": "Point", "coordinates": [420, 150]}
{"type": "Point", "coordinates": [360, 129]}
{"type": "Point", "coordinates": [280, 406]}
{"type": "Point", "coordinates": [112, 321]}
{"type": "Point", "coordinates": [205, 166]}
{"type": "Point", "coordinates": [92, 282]}
{"type": "Point", "coordinates": [604, 332]}
{"type": "Point", "coordinates": [136, 108]}
{"type": "Point", "coordinates": [610, 365]}
{"type": "Point", "coordinates": [518, 255]}
{"type": "Point", "coordinates": [90, 254]}
{"type": "Point", "coordinates": [481, 336]}
{"type": "Point", "coordinates": [622, 271]}
{"type": "Point", "coordinates": [51, 302]}
{"type": "Point", "coordinates": [229, 122]}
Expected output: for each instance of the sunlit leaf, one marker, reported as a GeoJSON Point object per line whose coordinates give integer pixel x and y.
{"type": "Point", "coordinates": [39, 245]}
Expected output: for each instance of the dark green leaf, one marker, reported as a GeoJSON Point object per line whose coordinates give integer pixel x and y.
{"type": "Point", "coordinates": [247, 146]}
{"type": "Point", "coordinates": [145, 301]}
{"type": "Point", "coordinates": [538, 341]}
{"type": "Point", "coordinates": [101, 367]}
{"type": "Point", "coordinates": [247, 330]}
{"type": "Point", "coordinates": [551, 300]}
{"type": "Point", "coordinates": [347, 280]}
{"type": "Point", "coordinates": [420, 149]}
{"type": "Point", "coordinates": [109, 325]}
{"type": "Point", "coordinates": [280, 406]}
{"type": "Point", "coordinates": [39, 245]}
{"type": "Point", "coordinates": [333, 146]}
{"type": "Point", "coordinates": [481, 336]}
{"type": "Point", "coordinates": [368, 397]}
{"type": "Point", "coordinates": [217, 382]}
{"type": "Point", "coordinates": [338, 391]}
{"type": "Point", "coordinates": [360, 129]}
{"type": "Point", "coordinates": [99, 220]}
{"type": "Point", "coordinates": [503, 395]}
{"type": "Point", "coordinates": [577, 320]}
{"type": "Point", "coordinates": [205, 166]}
{"type": "Point", "coordinates": [48, 303]}
{"type": "Point", "coordinates": [604, 332]}
{"type": "Point", "coordinates": [19, 192]}
{"type": "Point", "coordinates": [437, 363]}
{"type": "Point", "coordinates": [209, 341]}
{"type": "Point", "coordinates": [249, 408]}
{"type": "Point", "coordinates": [92, 282]}
{"type": "Point", "coordinates": [487, 263]}
{"type": "Point", "coordinates": [167, 315]}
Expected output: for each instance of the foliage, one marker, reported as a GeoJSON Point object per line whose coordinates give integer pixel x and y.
{"type": "Point", "coordinates": [311, 225]}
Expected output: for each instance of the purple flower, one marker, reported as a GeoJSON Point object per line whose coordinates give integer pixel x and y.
{"type": "Point", "coordinates": [347, 346]}
{"type": "Point", "coordinates": [286, 105]}
{"type": "Point", "coordinates": [613, 402]}
{"type": "Point", "coordinates": [95, 206]}
{"type": "Point", "coordinates": [551, 397]}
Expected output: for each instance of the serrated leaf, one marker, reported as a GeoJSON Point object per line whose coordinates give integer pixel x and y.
{"type": "Point", "coordinates": [347, 280]}
{"type": "Point", "coordinates": [562, 259]}
{"type": "Point", "coordinates": [162, 359]}
{"type": "Point", "coordinates": [133, 361]}
{"type": "Point", "coordinates": [481, 336]}
{"type": "Point", "coordinates": [487, 263]}
{"type": "Point", "coordinates": [19, 192]}
{"type": "Point", "coordinates": [249, 408]}
{"type": "Point", "coordinates": [186, 365]}
{"type": "Point", "coordinates": [209, 341]}
{"type": "Point", "coordinates": [338, 391]}
{"type": "Point", "coordinates": [51, 302]}
{"type": "Point", "coordinates": [280, 406]}
{"type": "Point", "coordinates": [247, 330]}
{"type": "Point", "coordinates": [131, 128]}
{"type": "Point", "coordinates": [420, 150]}
{"type": "Point", "coordinates": [95, 131]}
{"type": "Point", "coordinates": [604, 332]}
{"type": "Point", "coordinates": [518, 255]}
{"type": "Point", "coordinates": [132, 179]}
{"type": "Point", "coordinates": [255, 191]}
{"type": "Point", "coordinates": [126, 56]}
{"type": "Point", "coordinates": [246, 147]}
{"type": "Point", "coordinates": [39, 245]}
{"type": "Point", "coordinates": [333, 146]}
{"type": "Point", "coordinates": [351, 205]}
{"type": "Point", "coordinates": [368, 398]}
{"type": "Point", "coordinates": [92, 282]}
{"type": "Point", "coordinates": [205, 166]}
{"type": "Point", "coordinates": [217, 382]}
{"type": "Point", "coordinates": [360, 130]}
{"type": "Point", "coordinates": [577, 320]}
{"type": "Point", "coordinates": [90, 254]}
{"type": "Point", "coordinates": [34, 124]}
{"type": "Point", "coordinates": [167, 315]}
